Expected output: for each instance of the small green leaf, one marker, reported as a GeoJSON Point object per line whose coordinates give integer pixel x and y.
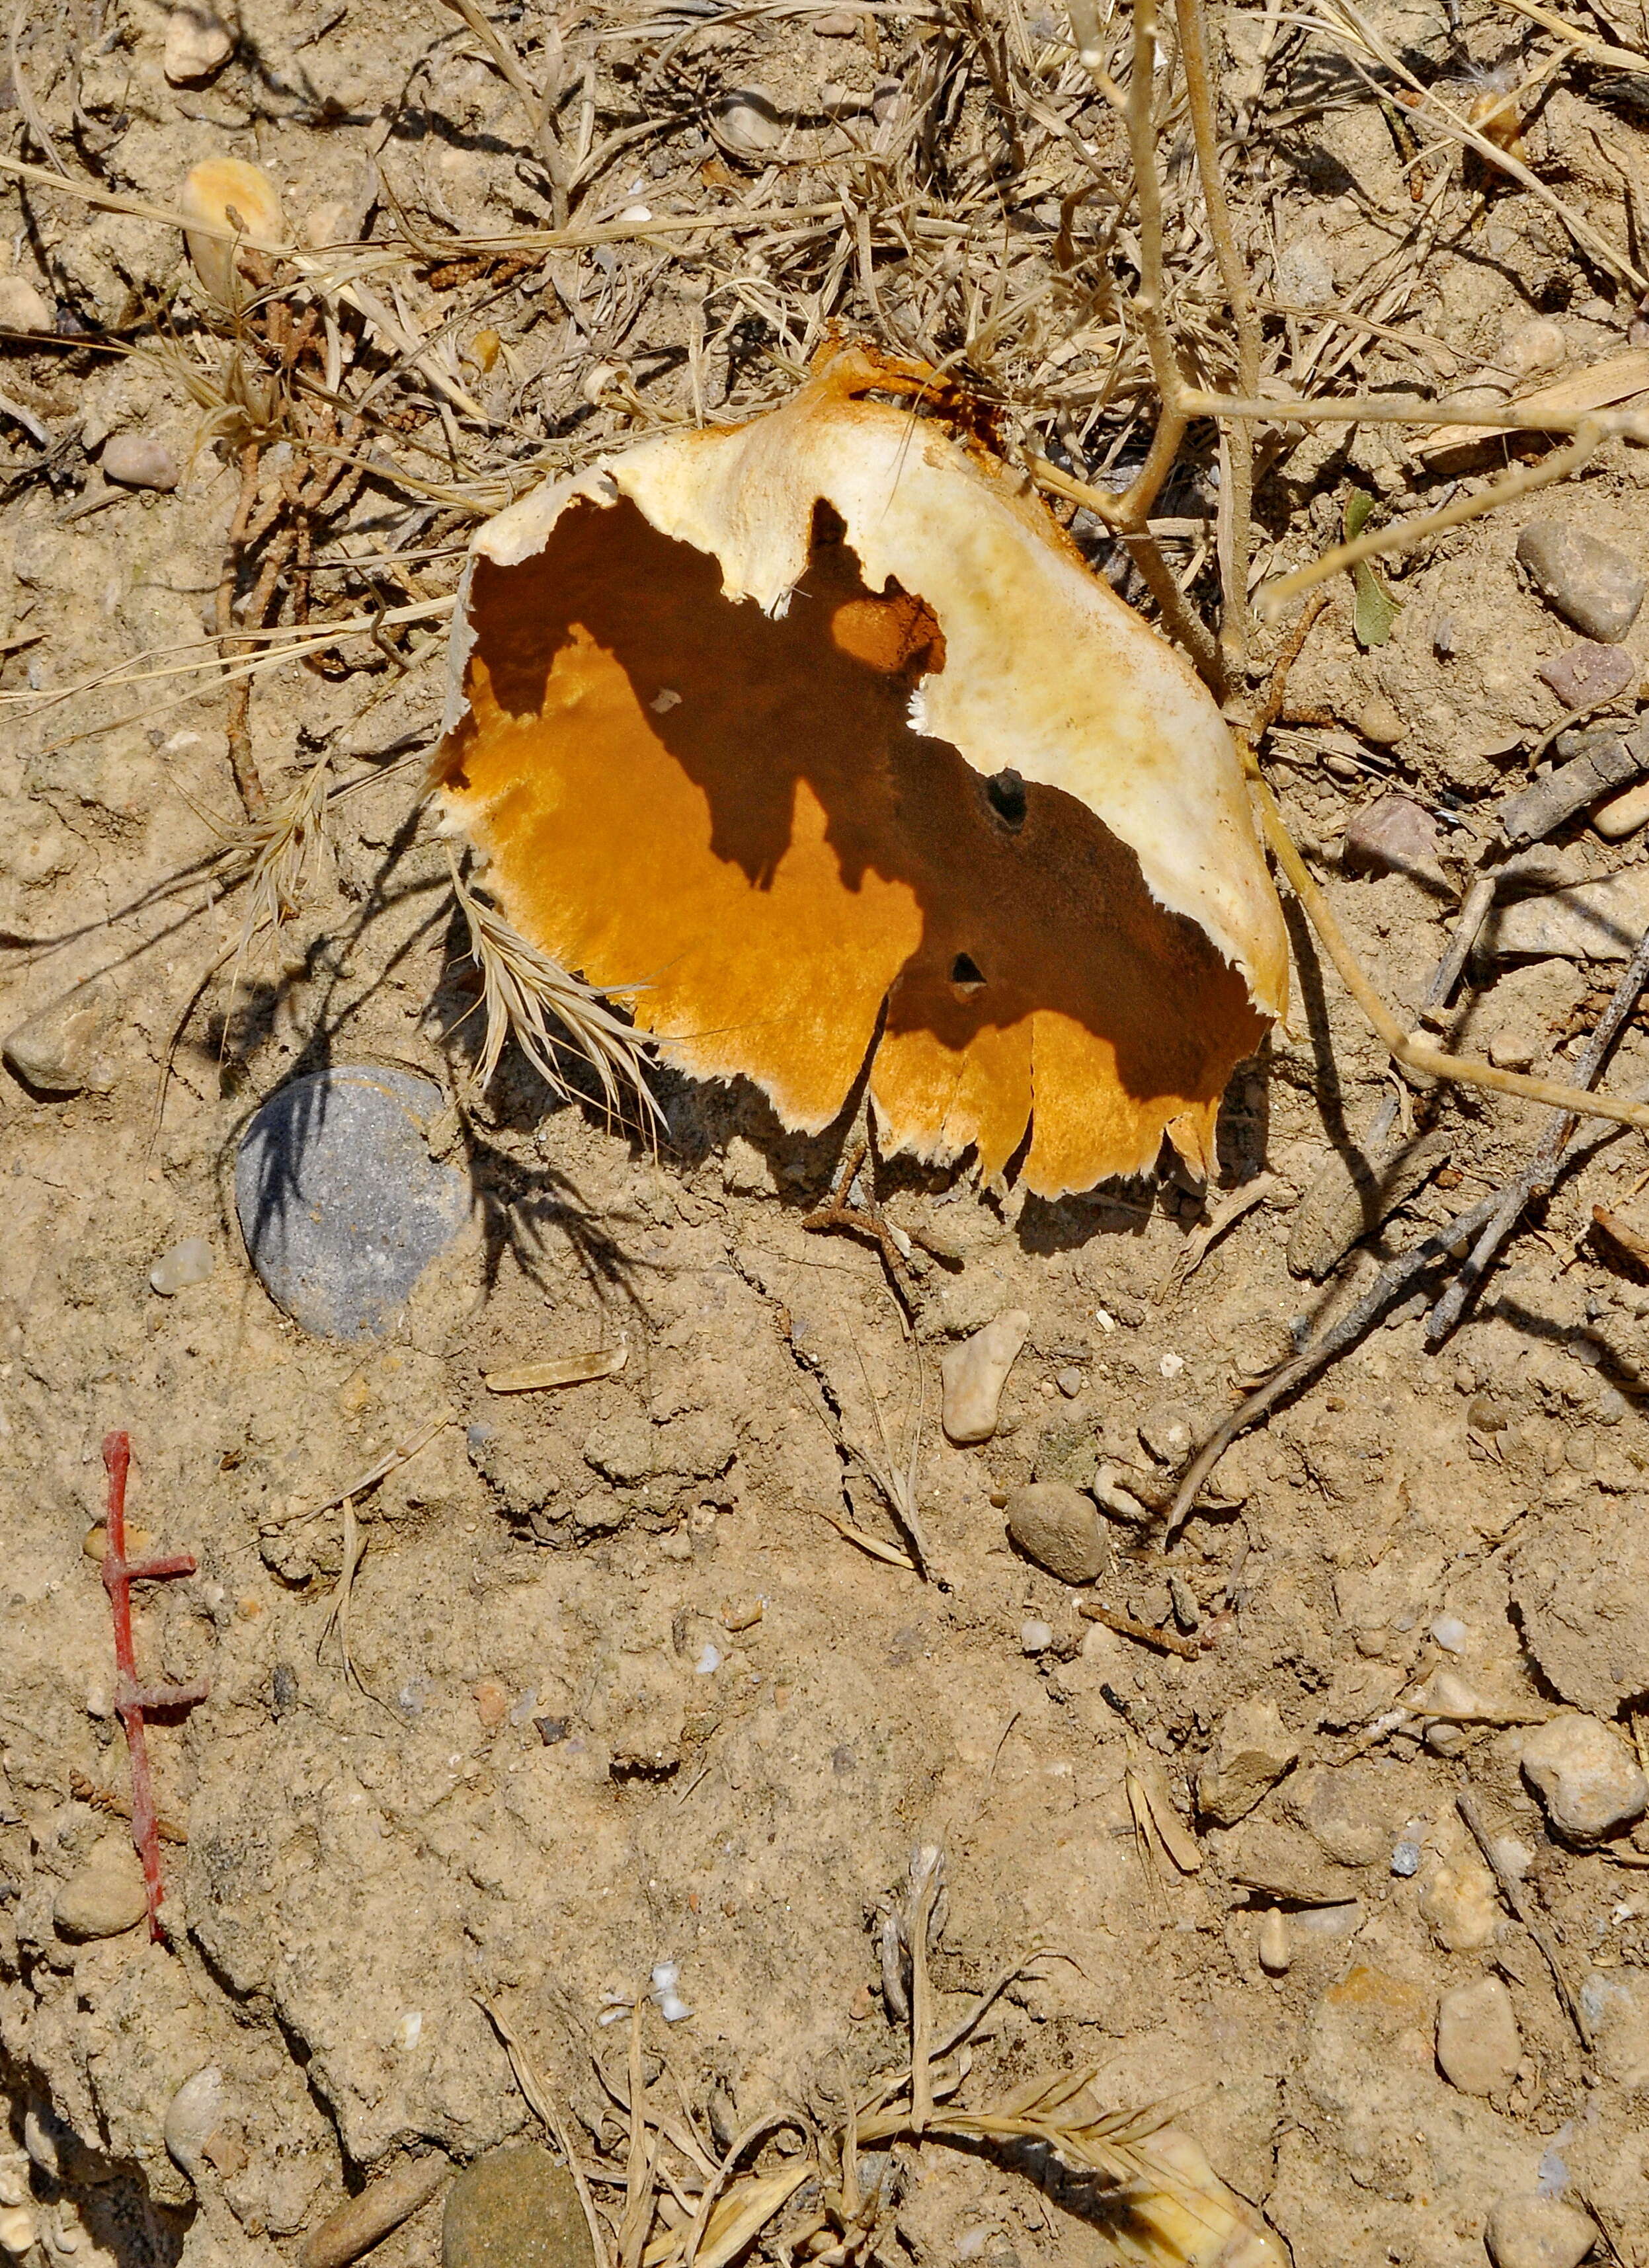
{"type": "Point", "coordinates": [1374, 611]}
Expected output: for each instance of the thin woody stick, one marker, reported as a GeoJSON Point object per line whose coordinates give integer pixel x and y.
{"type": "Point", "coordinates": [1186, 627]}
{"type": "Point", "coordinates": [1411, 1050]}
{"type": "Point", "coordinates": [1141, 119]}
{"type": "Point", "coordinates": [1237, 497]}
{"type": "Point", "coordinates": [1388, 542]}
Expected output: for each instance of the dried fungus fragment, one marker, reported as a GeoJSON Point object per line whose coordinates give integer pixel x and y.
{"type": "Point", "coordinates": [817, 731]}
{"type": "Point", "coordinates": [232, 194]}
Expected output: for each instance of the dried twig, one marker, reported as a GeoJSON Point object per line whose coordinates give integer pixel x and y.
{"type": "Point", "coordinates": [1511, 1891]}
{"type": "Point", "coordinates": [1544, 1168]}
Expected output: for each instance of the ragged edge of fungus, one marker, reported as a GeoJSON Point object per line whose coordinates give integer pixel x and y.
{"type": "Point", "coordinates": [1043, 677]}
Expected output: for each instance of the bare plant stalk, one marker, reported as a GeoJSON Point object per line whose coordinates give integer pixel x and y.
{"type": "Point", "coordinates": [1408, 533]}
{"type": "Point", "coordinates": [1148, 300]}
{"type": "Point", "coordinates": [1238, 501]}
{"type": "Point", "coordinates": [1178, 618]}
{"type": "Point", "coordinates": [241, 761]}
{"type": "Point", "coordinates": [1538, 1175]}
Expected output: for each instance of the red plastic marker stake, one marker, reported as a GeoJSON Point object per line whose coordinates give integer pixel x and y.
{"type": "Point", "coordinates": [131, 1698]}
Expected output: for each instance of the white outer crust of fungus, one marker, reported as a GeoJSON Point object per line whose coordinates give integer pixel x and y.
{"type": "Point", "coordinates": [1046, 670]}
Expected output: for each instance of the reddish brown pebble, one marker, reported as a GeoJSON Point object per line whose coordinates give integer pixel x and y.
{"type": "Point", "coordinates": [355, 2227]}
{"type": "Point", "coordinates": [491, 1704]}
{"type": "Point", "coordinates": [1393, 835]}
{"type": "Point", "coordinates": [1587, 676]}
{"type": "Point", "coordinates": [134, 461]}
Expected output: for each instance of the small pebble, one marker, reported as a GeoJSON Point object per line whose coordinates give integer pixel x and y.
{"type": "Point", "coordinates": [341, 1204]}
{"type": "Point", "coordinates": [1460, 1901]}
{"type": "Point", "coordinates": [198, 43]}
{"type": "Point", "coordinates": [1478, 2045]}
{"type": "Point", "coordinates": [1275, 1951]}
{"type": "Point", "coordinates": [106, 1897]}
{"type": "Point", "coordinates": [1057, 1525]}
{"type": "Point", "coordinates": [709, 1660]}
{"type": "Point", "coordinates": [1165, 1432]}
{"type": "Point", "coordinates": [974, 1374]}
{"type": "Point", "coordinates": [1393, 835]}
{"type": "Point", "coordinates": [1253, 1750]}
{"type": "Point", "coordinates": [1592, 582]}
{"type": "Point", "coordinates": [1585, 1774]}
{"type": "Point", "coordinates": [193, 2116]}
{"type": "Point", "coordinates": [17, 2230]}
{"type": "Point", "coordinates": [1588, 674]}
{"type": "Point", "coordinates": [132, 460]}
{"type": "Point", "coordinates": [492, 1702]}
{"type": "Point", "coordinates": [1622, 814]}
{"type": "Point", "coordinates": [22, 308]}
{"type": "Point", "coordinates": [840, 24]}
{"type": "Point", "coordinates": [1538, 2232]}
{"type": "Point", "coordinates": [1451, 1634]}
{"type": "Point", "coordinates": [748, 119]}
{"type": "Point", "coordinates": [1069, 1381]}
{"type": "Point", "coordinates": [1305, 273]}
{"type": "Point", "coordinates": [1535, 345]}
{"type": "Point", "coordinates": [363, 2221]}
{"type": "Point", "coordinates": [515, 2208]}
{"type": "Point", "coordinates": [55, 1051]}
{"type": "Point", "coordinates": [1616, 2004]}
{"type": "Point", "coordinates": [1035, 1637]}
{"type": "Point", "coordinates": [180, 1265]}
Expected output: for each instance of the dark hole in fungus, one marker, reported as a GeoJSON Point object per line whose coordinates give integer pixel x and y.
{"type": "Point", "coordinates": [1005, 793]}
{"type": "Point", "coordinates": [967, 975]}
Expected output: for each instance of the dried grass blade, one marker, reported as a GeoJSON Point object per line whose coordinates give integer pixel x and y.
{"type": "Point", "coordinates": [521, 988]}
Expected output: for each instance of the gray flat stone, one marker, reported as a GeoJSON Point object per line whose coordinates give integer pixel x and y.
{"type": "Point", "coordinates": [341, 1204]}
{"type": "Point", "coordinates": [1592, 582]}
{"type": "Point", "coordinates": [1593, 921]}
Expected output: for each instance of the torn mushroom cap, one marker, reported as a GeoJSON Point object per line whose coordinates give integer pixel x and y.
{"type": "Point", "coordinates": [227, 193]}
{"type": "Point", "coordinates": [937, 769]}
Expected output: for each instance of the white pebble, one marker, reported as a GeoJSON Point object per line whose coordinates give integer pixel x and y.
{"type": "Point", "coordinates": [1035, 1637]}
{"type": "Point", "coordinates": [709, 1660]}
{"type": "Point", "coordinates": [1585, 1774]}
{"type": "Point", "coordinates": [1171, 1364]}
{"type": "Point", "coordinates": [17, 2230]}
{"type": "Point", "coordinates": [194, 2114]}
{"type": "Point", "coordinates": [673, 2008]}
{"type": "Point", "coordinates": [1106, 1320]}
{"type": "Point", "coordinates": [14, 2183]}
{"type": "Point", "coordinates": [198, 43]}
{"type": "Point", "coordinates": [409, 2029]}
{"type": "Point", "coordinates": [1276, 1953]}
{"type": "Point", "coordinates": [183, 1264]}
{"type": "Point", "coordinates": [1450, 1633]}
{"type": "Point", "coordinates": [666, 1975]}
{"type": "Point", "coordinates": [974, 1374]}
{"type": "Point", "coordinates": [748, 120]}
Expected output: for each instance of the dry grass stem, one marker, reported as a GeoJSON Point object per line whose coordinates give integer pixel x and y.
{"type": "Point", "coordinates": [523, 989]}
